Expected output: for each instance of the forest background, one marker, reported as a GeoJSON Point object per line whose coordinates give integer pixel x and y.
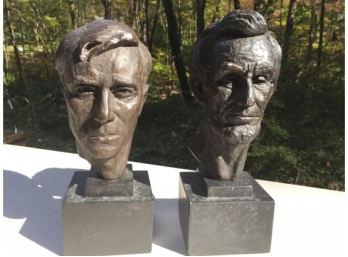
{"type": "Point", "coordinates": [302, 136]}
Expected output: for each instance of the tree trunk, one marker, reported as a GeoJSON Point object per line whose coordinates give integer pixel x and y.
{"type": "Point", "coordinates": [107, 9]}
{"type": "Point", "coordinates": [267, 5]}
{"type": "Point", "coordinates": [36, 8]}
{"type": "Point", "coordinates": [164, 25]}
{"type": "Point", "coordinates": [258, 5]}
{"type": "Point", "coordinates": [84, 13]}
{"type": "Point", "coordinates": [72, 14]}
{"type": "Point", "coordinates": [19, 64]}
{"type": "Point", "coordinates": [6, 62]}
{"type": "Point", "coordinates": [311, 33]}
{"type": "Point", "coordinates": [154, 25]}
{"type": "Point", "coordinates": [174, 39]}
{"type": "Point", "coordinates": [134, 13]}
{"type": "Point", "coordinates": [216, 10]}
{"type": "Point", "coordinates": [147, 25]}
{"type": "Point", "coordinates": [22, 39]}
{"type": "Point", "coordinates": [46, 65]}
{"type": "Point", "coordinates": [281, 18]}
{"type": "Point", "coordinates": [200, 6]}
{"type": "Point", "coordinates": [13, 38]}
{"type": "Point", "coordinates": [321, 31]}
{"type": "Point", "coordinates": [236, 4]}
{"type": "Point", "coordinates": [179, 23]}
{"type": "Point", "coordinates": [289, 29]}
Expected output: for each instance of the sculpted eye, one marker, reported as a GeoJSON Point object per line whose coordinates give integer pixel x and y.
{"type": "Point", "coordinates": [229, 82]}
{"type": "Point", "coordinates": [231, 79]}
{"type": "Point", "coordinates": [259, 80]}
{"type": "Point", "coordinates": [123, 91]}
{"type": "Point", "coordinates": [84, 91]}
{"type": "Point", "coordinates": [261, 83]}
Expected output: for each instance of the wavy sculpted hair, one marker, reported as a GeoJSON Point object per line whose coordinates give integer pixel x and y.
{"type": "Point", "coordinates": [93, 39]}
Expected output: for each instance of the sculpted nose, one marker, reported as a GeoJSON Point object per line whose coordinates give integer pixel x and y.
{"type": "Point", "coordinates": [103, 112]}
{"type": "Point", "coordinates": [247, 97]}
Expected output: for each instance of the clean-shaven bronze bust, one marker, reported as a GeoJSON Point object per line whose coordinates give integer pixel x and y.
{"type": "Point", "coordinates": [234, 67]}
{"type": "Point", "coordinates": [104, 67]}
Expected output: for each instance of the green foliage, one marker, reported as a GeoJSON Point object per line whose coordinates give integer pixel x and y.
{"type": "Point", "coordinates": [302, 136]}
{"type": "Point", "coordinates": [50, 111]}
{"type": "Point", "coordinates": [164, 130]}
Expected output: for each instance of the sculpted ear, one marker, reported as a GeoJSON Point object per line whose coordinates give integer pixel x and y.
{"type": "Point", "coordinates": [197, 86]}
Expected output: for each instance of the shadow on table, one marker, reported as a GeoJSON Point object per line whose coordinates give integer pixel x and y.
{"type": "Point", "coordinates": [38, 199]}
{"type": "Point", "coordinates": [166, 229]}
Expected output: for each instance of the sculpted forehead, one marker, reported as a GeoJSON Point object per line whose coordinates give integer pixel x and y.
{"type": "Point", "coordinates": [244, 51]}
{"type": "Point", "coordinates": [122, 59]}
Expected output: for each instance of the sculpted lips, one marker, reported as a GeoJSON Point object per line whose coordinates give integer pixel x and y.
{"type": "Point", "coordinates": [236, 120]}
{"type": "Point", "coordinates": [103, 139]}
{"type": "Point", "coordinates": [242, 117]}
{"type": "Point", "coordinates": [100, 137]}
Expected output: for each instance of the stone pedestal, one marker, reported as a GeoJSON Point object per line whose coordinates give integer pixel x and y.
{"type": "Point", "coordinates": [224, 217]}
{"type": "Point", "coordinates": [107, 225]}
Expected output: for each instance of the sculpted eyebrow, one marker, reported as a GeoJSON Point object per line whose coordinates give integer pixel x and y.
{"type": "Point", "coordinates": [229, 68]}
{"type": "Point", "coordinates": [81, 80]}
{"type": "Point", "coordinates": [232, 65]}
{"type": "Point", "coordinates": [263, 69]}
{"type": "Point", "coordinates": [259, 67]}
{"type": "Point", "coordinates": [117, 78]}
{"type": "Point", "coordinates": [123, 83]}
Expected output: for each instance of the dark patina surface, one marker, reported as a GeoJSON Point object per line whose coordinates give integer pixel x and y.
{"type": "Point", "coordinates": [234, 67]}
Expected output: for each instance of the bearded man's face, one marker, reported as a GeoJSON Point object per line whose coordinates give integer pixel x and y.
{"type": "Point", "coordinates": [239, 87]}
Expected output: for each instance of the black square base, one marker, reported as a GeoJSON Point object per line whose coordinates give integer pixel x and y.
{"type": "Point", "coordinates": [107, 225]}
{"type": "Point", "coordinates": [217, 188]}
{"type": "Point", "coordinates": [224, 225]}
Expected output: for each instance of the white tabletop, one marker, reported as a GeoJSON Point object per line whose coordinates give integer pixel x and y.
{"type": "Point", "coordinates": [307, 222]}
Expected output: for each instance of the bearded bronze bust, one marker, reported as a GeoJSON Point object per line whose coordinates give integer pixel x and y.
{"type": "Point", "coordinates": [104, 67]}
{"type": "Point", "coordinates": [234, 68]}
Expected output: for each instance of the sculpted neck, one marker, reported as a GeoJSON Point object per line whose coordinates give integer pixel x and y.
{"type": "Point", "coordinates": [113, 168]}
{"type": "Point", "coordinates": [220, 158]}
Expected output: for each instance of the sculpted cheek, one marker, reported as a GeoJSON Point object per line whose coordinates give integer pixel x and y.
{"type": "Point", "coordinates": [79, 111]}
{"type": "Point", "coordinates": [128, 111]}
{"type": "Point", "coordinates": [223, 94]}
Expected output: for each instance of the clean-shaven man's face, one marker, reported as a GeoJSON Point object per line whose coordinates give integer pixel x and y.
{"type": "Point", "coordinates": [104, 102]}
